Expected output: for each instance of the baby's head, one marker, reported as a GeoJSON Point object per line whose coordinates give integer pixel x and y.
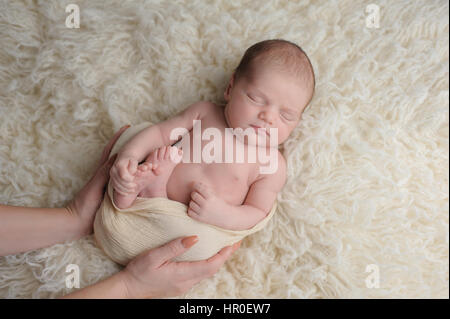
{"type": "Point", "coordinates": [270, 88]}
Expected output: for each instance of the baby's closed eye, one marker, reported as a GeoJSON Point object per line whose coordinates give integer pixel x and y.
{"type": "Point", "coordinates": [255, 99]}
{"type": "Point", "coordinates": [288, 116]}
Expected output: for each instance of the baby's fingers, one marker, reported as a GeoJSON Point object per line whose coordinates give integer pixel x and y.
{"type": "Point", "coordinates": [125, 175]}
{"type": "Point", "coordinates": [123, 188]}
{"type": "Point", "coordinates": [117, 180]}
{"type": "Point", "coordinates": [123, 191]}
{"type": "Point", "coordinates": [132, 166]}
{"type": "Point", "coordinates": [116, 191]}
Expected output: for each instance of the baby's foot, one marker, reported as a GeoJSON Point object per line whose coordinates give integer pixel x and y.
{"type": "Point", "coordinates": [163, 162]}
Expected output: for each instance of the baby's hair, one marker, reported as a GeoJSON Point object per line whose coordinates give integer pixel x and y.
{"type": "Point", "coordinates": [282, 53]}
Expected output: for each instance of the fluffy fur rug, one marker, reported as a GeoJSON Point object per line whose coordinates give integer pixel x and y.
{"type": "Point", "coordinates": [368, 164]}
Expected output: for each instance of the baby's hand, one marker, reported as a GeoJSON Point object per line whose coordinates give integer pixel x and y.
{"type": "Point", "coordinates": [122, 175]}
{"type": "Point", "coordinates": [206, 207]}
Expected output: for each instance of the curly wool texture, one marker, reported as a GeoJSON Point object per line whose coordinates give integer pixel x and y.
{"type": "Point", "coordinates": [367, 165]}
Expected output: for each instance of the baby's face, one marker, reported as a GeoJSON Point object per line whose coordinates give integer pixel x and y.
{"type": "Point", "coordinates": [269, 98]}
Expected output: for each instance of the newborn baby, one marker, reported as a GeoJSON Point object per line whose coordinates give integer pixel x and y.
{"type": "Point", "coordinates": [265, 97]}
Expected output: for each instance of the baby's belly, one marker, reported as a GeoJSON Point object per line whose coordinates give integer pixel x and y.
{"type": "Point", "coordinates": [228, 181]}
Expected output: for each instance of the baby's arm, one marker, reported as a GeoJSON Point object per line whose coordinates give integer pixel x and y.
{"type": "Point", "coordinates": [208, 208]}
{"type": "Point", "coordinates": [150, 138]}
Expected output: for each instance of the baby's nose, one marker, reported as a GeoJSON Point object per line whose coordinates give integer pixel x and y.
{"type": "Point", "coordinates": [267, 116]}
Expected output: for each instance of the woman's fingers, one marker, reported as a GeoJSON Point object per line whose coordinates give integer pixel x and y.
{"type": "Point", "coordinates": [199, 270]}
{"type": "Point", "coordinates": [154, 274]}
{"type": "Point", "coordinates": [219, 259]}
{"type": "Point", "coordinates": [172, 249]}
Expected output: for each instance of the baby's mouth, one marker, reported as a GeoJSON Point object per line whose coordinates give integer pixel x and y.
{"type": "Point", "coordinates": [260, 130]}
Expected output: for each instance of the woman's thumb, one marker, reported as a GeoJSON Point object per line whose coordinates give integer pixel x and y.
{"type": "Point", "coordinates": [173, 249]}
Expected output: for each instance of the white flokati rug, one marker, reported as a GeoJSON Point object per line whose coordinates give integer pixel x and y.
{"type": "Point", "coordinates": [368, 164]}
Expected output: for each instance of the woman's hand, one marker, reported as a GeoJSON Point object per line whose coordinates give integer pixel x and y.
{"type": "Point", "coordinates": [152, 274]}
{"type": "Point", "coordinates": [88, 200]}
{"type": "Point", "coordinates": [27, 228]}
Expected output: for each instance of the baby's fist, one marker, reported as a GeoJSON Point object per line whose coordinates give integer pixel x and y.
{"type": "Point", "coordinates": [123, 173]}
{"type": "Point", "coordinates": [206, 207]}
{"type": "Point", "coordinates": [125, 168]}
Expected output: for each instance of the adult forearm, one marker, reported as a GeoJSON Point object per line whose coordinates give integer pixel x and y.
{"type": "Point", "coordinates": [23, 228]}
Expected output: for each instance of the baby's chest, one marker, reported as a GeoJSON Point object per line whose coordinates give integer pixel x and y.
{"type": "Point", "coordinates": [212, 155]}
{"type": "Point", "coordinates": [228, 181]}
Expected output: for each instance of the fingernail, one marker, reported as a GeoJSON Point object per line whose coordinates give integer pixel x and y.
{"type": "Point", "coordinates": [189, 241]}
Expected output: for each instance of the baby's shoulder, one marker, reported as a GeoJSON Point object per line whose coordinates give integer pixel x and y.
{"type": "Point", "coordinates": [208, 105]}
{"type": "Point", "coordinates": [205, 109]}
{"type": "Point", "coordinates": [273, 171]}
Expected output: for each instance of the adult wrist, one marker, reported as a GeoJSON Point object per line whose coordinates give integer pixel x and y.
{"type": "Point", "coordinates": [110, 288]}
{"type": "Point", "coordinates": [79, 226]}
{"type": "Point", "coordinates": [128, 284]}
{"type": "Point", "coordinates": [124, 286]}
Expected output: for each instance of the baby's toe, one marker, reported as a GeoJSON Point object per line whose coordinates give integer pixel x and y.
{"type": "Point", "coordinates": [175, 154]}
{"type": "Point", "coordinates": [154, 156]}
{"type": "Point", "coordinates": [167, 153]}
{"type": "Point", "coordinates": [161, 153]}
{"type": "Point", "coordinates": [156, 169]}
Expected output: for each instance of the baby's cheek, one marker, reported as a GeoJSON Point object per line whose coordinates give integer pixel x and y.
{"type": "Point", "coordinates": [283, 134]}
{"type": "Point", "coordinates": [245, 110]}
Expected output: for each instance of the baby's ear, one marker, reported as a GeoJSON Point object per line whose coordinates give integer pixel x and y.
{"type": "Point", "coordinates": [227, 93]}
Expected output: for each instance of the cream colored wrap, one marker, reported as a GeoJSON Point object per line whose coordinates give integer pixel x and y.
{"type": "Point", "coordinates": [151, 222]}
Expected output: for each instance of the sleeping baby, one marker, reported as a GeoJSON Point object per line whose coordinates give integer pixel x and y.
{"type": "Point", "coordinates": [166, 184]}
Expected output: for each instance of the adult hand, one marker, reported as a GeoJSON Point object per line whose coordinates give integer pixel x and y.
{"type": "Point", "coordinates": [86, 203]}
{"type": "Point", "coordinates": [152, 274]}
